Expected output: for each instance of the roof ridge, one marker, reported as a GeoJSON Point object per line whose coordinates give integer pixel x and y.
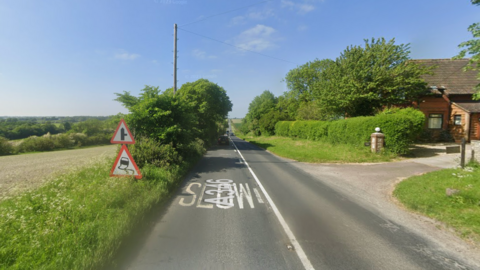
{"type": "Point", "coordinates": [440, 59]}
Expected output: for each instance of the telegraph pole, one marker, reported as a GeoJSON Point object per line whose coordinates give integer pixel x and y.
{"type": "Point", "coordinates": [174, 59]}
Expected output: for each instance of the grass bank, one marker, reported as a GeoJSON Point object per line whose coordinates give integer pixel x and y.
{"type": "Point", "coordinates": [78, 220]}
{"type": "Point", "coordinates": [426, 194]}
{"type": "Point", "coordinates": [315, 151]}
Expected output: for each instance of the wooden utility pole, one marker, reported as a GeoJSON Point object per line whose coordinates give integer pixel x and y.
{"type": "Point", "coordinates": [174, 59]}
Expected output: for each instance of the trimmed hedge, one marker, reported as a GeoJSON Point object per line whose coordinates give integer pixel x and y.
{"type": "Point", "coordinates": [400, 129]}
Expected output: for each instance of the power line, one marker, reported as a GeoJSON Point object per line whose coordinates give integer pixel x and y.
{"type": "Point", "coordinates": [226, 12]}
{"type": "Point", "coordinates": [237, 46]}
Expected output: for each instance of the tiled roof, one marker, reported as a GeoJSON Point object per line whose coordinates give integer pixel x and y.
{"type": "Point", "coordinates": [450, 75]}
{"type": "Point", "coordinates": [469, 106]}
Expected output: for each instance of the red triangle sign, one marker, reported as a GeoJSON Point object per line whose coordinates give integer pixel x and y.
{"type": "Point", "coordinates": [122, 134]}
{"type": "Point", "coordinates": [124, 165]}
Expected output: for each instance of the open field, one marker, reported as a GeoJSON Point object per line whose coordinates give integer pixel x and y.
{"type": "Point", "coordinates": [236, 123]}
{"type": "Point", "coordinates": [237, 120]}
{"type": "Point", "coordinates": [23, 172]}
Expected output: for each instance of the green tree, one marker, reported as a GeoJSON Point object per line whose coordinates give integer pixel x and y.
{"type": "Point", "coordinates": [196, 112]}
{"type": "Point", "coordinates": [88, 127]}
{"type": "Point", "coordinates": [210, 103]}
{"type": "Point", "coordinates": [363, 80]}
{"type": "Point", "coordinates": [301, 82]}
{"type": "Point", "coordinates": [67, 126]}
{"type": "Point", "coordinates": [472, 48]}
{"type": "Point", "coordinates": [260, 106]}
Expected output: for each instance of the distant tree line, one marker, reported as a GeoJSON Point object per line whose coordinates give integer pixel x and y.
{"type": "Point", "coordinates": [14, 128]}
{"type": "Point", "coordinates": [360, 82]}
{"type": "Point", "coordinates": [48, 137]}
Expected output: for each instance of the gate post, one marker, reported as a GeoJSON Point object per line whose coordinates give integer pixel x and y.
{"type": "Point", "coordinates": [377, 140]}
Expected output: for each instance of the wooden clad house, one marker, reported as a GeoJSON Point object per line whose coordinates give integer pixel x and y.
{"type": "Point", "coordinates": [448, 107]}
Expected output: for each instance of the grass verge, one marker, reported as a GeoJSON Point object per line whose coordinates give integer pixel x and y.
{"type": "Point", "coordinates": [426, 194]}
{"type": "Point", "coordinates": [78, 220]}
{"type": "Point", "coordinates": [315, 151]}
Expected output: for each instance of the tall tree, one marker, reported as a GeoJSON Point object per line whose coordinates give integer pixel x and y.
{"type": "Point", "coordinates": [301, 82]}
{"type": "Point", "coordinates": [472, 48]}
{"type": "Point", "coordinates": [365, 79]}
{"type": "Point", "coordinates": [260, 106]}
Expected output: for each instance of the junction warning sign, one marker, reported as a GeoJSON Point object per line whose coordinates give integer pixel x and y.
{"type": "Point", "coordinates": [124, 165]}
{"type": "Point", "coordinates": [122, 134]}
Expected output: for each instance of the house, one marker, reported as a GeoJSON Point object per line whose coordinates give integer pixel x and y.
{"type": "Point", "coordinates": [448, 105]}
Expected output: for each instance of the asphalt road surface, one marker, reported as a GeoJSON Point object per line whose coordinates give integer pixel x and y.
{"type": "Point", "coordinates": [243, 208]}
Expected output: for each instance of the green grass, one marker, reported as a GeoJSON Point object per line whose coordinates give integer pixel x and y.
{"type": "Point", "coordinates": [316, 152]}
{"type": "Point", "coordinates": [426, 194]}
{"type": "Point", "coordinates": [78, 220]}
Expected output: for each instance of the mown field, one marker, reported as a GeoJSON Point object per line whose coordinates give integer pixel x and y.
{"type": "Point", "coordinates": [24, 172]}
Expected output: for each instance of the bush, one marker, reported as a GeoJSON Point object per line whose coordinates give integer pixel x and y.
{"type": "Point", "coordinates": [78, 139]}
{"type": "Point", "coordinates": [6, 148]}
{"type": "Point", "coordinates": [63, 141]}
{"type": "Point", "coordinates": [34, 143]}
{"type": "Point", "coordinates": [149, 151]}
{"type": "Point", "coordinates": [401, 128]}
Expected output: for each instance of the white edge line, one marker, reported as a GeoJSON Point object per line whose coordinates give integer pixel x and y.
{"type": "Point", "coordinates": [301, 254]}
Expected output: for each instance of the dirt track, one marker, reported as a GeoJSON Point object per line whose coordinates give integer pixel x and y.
{"type": "Point", "coordinates": [22, 172]}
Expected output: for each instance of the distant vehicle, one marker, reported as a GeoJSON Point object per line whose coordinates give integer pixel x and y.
{"type": "Point", "coordinates": [233, 134]}
{"type": "Point", "coordinates": [227, 132]}
{"type": "Point", "coordinates": [223, 140]}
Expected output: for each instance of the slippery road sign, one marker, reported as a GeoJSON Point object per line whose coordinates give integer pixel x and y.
{"type": "Point", "coordinates": [124, 165]}
{"type": "Point", "coordinates": [122, 134]}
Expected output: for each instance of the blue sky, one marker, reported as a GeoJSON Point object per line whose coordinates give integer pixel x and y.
{"type": "Point", "coordinates": [69, 57]}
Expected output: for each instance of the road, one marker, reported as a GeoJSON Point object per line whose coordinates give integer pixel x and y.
{"type": "Point", "coordinates": [272, 215]}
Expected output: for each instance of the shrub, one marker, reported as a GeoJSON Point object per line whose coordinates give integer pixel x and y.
{"type": "Point", "coordinates": [78, 139]}
{"type": "Point", "coordinates": [6, 148]}
{"type": "Point", "coordinates": [63, 141]}
{"type": "Point", "coordinates": [34, 143]}
{"type": "Point", "coordinates": [400, 127]}
{"type": "Point", "coordinates": [149, 151]}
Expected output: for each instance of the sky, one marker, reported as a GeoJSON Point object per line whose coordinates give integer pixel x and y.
{"type": "Point", "coordinates": [70, 57]}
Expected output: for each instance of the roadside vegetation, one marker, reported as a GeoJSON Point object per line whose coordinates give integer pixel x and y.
{"type": "Point", "coordinates": [316, 151]}
{"type": "Point", "coordinates": [339, 113]}
{"type": "Point", "coordinates": [78, 220]}
{"type": "Point", "coordinates": [459, 209]}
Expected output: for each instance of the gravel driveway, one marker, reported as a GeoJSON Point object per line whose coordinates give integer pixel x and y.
{"type": "Point", "coordinates": [22, 172]}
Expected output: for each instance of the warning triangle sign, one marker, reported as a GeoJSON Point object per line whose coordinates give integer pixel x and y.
{"type": "Point", "coordinates": [122, 134]}
{"type": "Point", "coordinates": [124, 165]}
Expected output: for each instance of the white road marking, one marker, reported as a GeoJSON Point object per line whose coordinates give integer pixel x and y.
{"type": "Point", "coordinates": [199, 203]}
{"type": "Point", "coordinates": [301, 254]}
{"type": "Point", "coordinates": [259, 198]}
{"type": "Point", "coordinates": [222, 185]}
{"type": "Point", "coordinates": [189, 191]}
{"type": "Point", "coordinates": [244, 192]}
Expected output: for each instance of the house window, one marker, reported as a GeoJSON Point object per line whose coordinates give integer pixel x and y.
{"type": "Point", "coordinates": [457, 120]}
{"type": "Point", "coordinates": [435, 121]}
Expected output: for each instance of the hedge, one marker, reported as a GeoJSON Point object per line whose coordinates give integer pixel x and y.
{"type": "Point", "coordinates": [400, 129]}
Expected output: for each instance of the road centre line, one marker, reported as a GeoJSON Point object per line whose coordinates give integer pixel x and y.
{"type": "Point", "coordinates": [301, 254]}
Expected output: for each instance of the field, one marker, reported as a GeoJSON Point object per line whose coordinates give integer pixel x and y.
{"type": "Point", "coordinates": [23, 172]}
{"type": "Point", "coordinates": [236, 123]}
